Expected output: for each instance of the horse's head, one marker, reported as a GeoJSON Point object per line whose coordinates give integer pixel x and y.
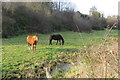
{"type": "Point", "coordinates": [36, 37]}
{"type": "Point", "coordinates": [63, 41]}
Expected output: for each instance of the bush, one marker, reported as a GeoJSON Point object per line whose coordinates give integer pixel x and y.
{"type": "Point", "coordinates": [82, 23]}
{"type": "Point", "coordinates": [98, 23]}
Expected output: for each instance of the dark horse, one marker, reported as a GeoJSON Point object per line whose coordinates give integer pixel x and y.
{"type": "Point", "coordinates": [57, 37]}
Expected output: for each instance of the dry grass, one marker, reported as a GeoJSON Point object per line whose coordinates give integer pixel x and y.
{"type": "Point", "coordinates": [98, 61]}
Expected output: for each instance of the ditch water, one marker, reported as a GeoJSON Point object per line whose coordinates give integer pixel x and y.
{"type": "Point", "coordinates": [79, 67]}
{"type": "Point", "coordinates": [63, 67]}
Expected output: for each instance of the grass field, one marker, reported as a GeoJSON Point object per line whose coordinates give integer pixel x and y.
{"type": "Point", "coordinates": [18, 60]}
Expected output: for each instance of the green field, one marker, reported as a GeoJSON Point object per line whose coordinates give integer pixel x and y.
{"type": "Point", "coordinates": [17, 58]}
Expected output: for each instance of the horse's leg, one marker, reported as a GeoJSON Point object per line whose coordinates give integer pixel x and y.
{"type": "Point", "coordinates": [57, 42]}
{"type": "Point", "coordinates": [33, 47]}
{"type": "Point", "coordinates": [29, 46]}
{"type": "Point", "coordinates": [50, 42]}
{"type": "Point", "coordinates": [60, 42]}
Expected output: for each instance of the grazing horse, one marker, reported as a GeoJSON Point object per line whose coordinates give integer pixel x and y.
{"type": "Point", "coordinates": [32, 41]}
{"type": "Point", "coordinates": [57, 37]}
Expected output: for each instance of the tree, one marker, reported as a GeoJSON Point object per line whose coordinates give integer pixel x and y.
{"type": "Point", "coordinates": [93, 9]}
{"type": "Point", "coordinates": [93, 12]}
{"type": "Point", "coordinates": [97, 19]}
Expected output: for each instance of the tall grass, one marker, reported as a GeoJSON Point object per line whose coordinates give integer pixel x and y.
{"type": "Point", "coordinates": [98, 61]}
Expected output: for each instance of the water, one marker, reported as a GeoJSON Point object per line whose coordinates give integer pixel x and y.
{"type": "Point", "coordinates": [63, 67]}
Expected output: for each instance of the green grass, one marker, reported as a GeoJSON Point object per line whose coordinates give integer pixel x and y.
{"type": "Point", "coordinates": [16, 56]}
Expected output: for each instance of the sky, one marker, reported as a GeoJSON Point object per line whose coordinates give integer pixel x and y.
{"type": "Point", "coordinates": [107, 7]}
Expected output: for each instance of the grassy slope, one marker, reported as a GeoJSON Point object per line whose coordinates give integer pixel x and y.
{"type": "Point", "coordinates": [16, 57]}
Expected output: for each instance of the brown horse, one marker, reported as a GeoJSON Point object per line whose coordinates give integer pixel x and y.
{"type": "Point", "coordinates": [32, 41]}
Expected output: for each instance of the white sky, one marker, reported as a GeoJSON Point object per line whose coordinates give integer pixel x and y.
{"type": "Point", "coordinates": [108, 7]}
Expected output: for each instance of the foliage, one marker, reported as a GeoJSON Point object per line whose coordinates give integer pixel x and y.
{"type": "Point", "coordinates": [82, 23]}
{"type": "Point", "coordinates": [112, 19]}
{"type": "Point", "coordinates": [45, 17]}
{"type": "Point", "coordinates": [98, 23]}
